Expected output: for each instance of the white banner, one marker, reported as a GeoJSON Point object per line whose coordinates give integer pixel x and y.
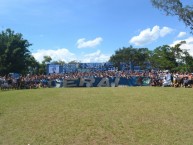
{"type": "Point", "coordinates": [53, 69]}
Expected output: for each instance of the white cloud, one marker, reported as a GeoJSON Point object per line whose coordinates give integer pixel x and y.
{"type": "Point", "coordinates": [82, 43]}
{"type": "Point", "coordinates": [95, 57]}
{"type": "Point", "coordinates": [147, 36]}
{"type": "Point", "coordinates": [164, 31]}
{"type": "Point", "coordinates": [181, 34]}
{"type": "Point", "coordinates": [66, 56]}
{"type": "Point", "coordinates": [187, 46]}
{"type": "Point", "coordinates": [59, 54]}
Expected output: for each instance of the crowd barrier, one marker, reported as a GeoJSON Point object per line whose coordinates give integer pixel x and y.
{"type": "Point", "coordinates": [101, 82]}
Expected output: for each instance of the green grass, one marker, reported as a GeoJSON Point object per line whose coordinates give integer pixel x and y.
{"type": "Point", "coordinates": [97, 116]}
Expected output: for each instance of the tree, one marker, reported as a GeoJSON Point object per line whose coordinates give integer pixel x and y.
{"type": "Point", "coordinates": [163, 58]}
{"type": "Point", "coordinates": [14, 53]}
{"type": "Point", "coordinates": [188, 65]}
{"type": "Point", "coordinates": [33, 66]}
{"type": "Point", "coordinates": [130, 56]}
{"type": "Point", "coordinates": [73, 62]}
{"type": "Point", "coordinates": [172, 58]}
{"type": "Point", "coordinates": [176, 8]}
{"type": "Point", "coordinates": [42, 66]}
{"type": "Point", "coordinates": [143, 55]}
{"type": "Point", "coordinates": [47, 59]}
{"type": "Point", "coordinates": [60, 62]}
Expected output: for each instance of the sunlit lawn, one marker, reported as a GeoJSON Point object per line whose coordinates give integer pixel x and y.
{"type": "Point", "coordinates": [97, 116]}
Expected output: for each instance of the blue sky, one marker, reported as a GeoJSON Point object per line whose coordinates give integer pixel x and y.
{"type": "Point", "coordinates": [91, 30]}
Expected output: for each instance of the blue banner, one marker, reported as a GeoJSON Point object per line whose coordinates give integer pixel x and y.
{"type": "Point", "coordinates": [101, 82]}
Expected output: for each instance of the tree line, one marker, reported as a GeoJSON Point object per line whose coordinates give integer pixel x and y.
{"type": "Point", "coordinates": [16, 57]}
{"type": "Point", "coordinates": [162, 58]}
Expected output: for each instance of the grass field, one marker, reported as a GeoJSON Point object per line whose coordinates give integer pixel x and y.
{"type": "Point", "coordinates": [97, 116]}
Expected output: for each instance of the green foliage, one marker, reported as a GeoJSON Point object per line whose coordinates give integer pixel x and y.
{"type": "Point", "coordinates": [130, 55]}
{"type": "Point", "coordinates": [73, 62]}
{"type": "Point", "coordinates": [47, 59]}
{"type": "Point", "coordinates": [176, 8]}
{"type": "Point", "coordinates": [172, 58]}
{"type": "Point", "coordinates": [162, 57]}
{"type": "Point", "coordinates": [14, 53]}
{"type": "Point", "coordinates": [43, 64]}
{"type": "Point", "coordinates": [60, 62]}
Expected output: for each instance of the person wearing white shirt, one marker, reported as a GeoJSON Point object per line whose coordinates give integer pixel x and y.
{"type": "Point", "coordinates": [167, 80]}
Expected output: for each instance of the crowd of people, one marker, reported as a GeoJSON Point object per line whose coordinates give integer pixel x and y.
{"type": "Point", "coordinates": [157, 78]}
